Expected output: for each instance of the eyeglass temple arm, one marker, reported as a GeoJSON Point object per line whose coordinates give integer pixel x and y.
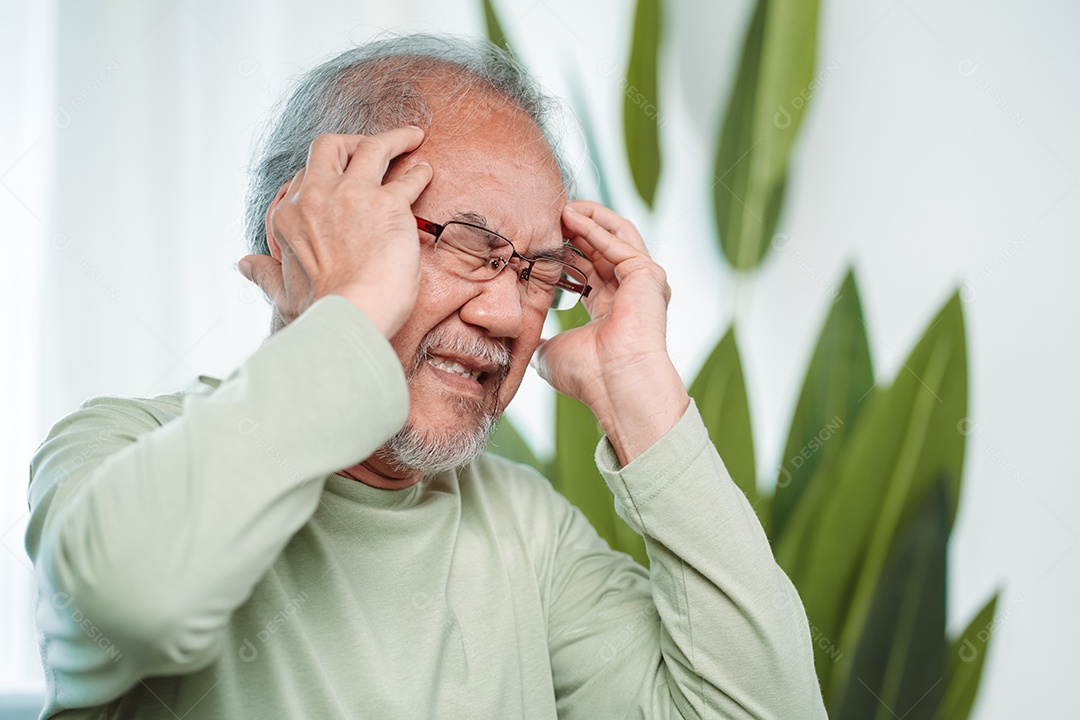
{"type": "Point", "coordinates": [570, 284]}
{"type": "Point", "coordinates": [428, 226]}
{"type": "Point", "coordinates": [575, 287]}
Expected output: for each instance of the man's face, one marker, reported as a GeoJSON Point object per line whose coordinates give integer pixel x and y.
{"type": "Point", "coordinates": [493, 167]}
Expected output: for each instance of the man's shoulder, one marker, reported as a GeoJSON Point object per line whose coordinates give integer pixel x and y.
{"type": "Point", "coordinates": [99, 426]}
{"type": "Point", "coordinates": [151, 410]}
{"type": "Point", "coordinates": [108, 419]}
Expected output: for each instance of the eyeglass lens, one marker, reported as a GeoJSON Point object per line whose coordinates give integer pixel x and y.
{"type": "Point", "coordinates": [480, 254]}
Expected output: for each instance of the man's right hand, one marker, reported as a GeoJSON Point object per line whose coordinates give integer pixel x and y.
{"type": "Point", "coordinates": [337, 229]}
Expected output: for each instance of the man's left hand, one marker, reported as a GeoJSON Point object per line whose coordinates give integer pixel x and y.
{"type": "Point", "coordinates": [618, 363]}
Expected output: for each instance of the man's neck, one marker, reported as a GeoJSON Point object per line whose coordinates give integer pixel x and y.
{"type": "Point", "coordinates": [378, 474]}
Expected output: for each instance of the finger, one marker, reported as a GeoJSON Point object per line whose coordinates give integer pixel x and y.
{"type": "Point", "coordinates": [271, 210]}
{"type": "Point", "coordinates": [329, 155]}
{"type": "Point", "coordinates": [599, 271]}
{"type": "Point", "coordinates": [537, 361]}
{"type": "Point", "coordinates": [371, 159]}
{"type": "Point", "coordinates": [610, 221]}
{"type": "Point", "coordinates": [294, 185]}
{"type": "Point", "coordinates": [586, 264]}
{"type": "Point", "coordinates": [590, 262]}
{"type": "Point", "coordinates": [265, 272]}
{"type": "Point", "coordinates": [599, 243]}
{"type": "Point", "coordinates": [594, 266]}
{"type": "Point", "coordinates": [588, 214]}
{"type": "Point", "coordinates": [551, 364]}
{"type": "Point", "coordinates": [410, 184]}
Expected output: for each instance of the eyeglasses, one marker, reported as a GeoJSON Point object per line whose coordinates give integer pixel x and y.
{"type": "Point", "coordinates": [475, 253]}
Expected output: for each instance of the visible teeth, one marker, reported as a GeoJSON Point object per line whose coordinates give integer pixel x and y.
{"type": "Point", "coordinates": [454, 367]}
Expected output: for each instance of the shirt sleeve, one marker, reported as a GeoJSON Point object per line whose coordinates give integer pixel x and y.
{"type": "Point", "coordinates": [146, 535]}
{"type": "Point", "coordinates": [714, 629]}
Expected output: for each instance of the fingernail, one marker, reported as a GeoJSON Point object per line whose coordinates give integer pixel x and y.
{"type": "Point", "coordinates": [571, 208]}
{"type": "Point", "coordinates": [244, 267]}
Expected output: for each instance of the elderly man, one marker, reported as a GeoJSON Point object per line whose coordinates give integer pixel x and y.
{"type": "Point", "coordinates": [318, 534]}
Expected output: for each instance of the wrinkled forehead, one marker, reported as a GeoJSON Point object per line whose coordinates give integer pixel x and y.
{"type": "Point", "coordinates": [491, 160]}
{"type": "Point", "coordinates": [461, 120]}
{"type": "Point", "coordinates": [456, 102]}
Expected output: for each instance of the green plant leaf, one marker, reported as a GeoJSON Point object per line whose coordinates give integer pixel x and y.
{"type": "Point", "coordinates": [774, 82]}
{"type": "Point", "coordinates": [836, 540]}
{"type": "Point", "coordinates": [838, 379]}
{"type": "Point", "coordinates": [964, 665]}
{"type": "Point", "coordinates": [493, 27]}
{"type": "Point", "coordinates": [576, 435]}
{"type": "Point", "coordinates": [899, 663]}
{"type": "Point", "coordinates": [720, 394]}
{"type": "Point", "coordinates": [508, 442]}
{"type": "Point", "coordinates": [641, 99]}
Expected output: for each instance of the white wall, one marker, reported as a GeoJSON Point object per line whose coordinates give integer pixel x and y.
{"type": "Point", "coordinates": [939, 151]}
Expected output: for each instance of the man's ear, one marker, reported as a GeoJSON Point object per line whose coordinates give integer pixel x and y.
{"type": "Point", "coordinates": [271, 241]}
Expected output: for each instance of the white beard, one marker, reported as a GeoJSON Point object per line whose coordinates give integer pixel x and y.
{"type": "Point", "coordinates": [435, 452]}
{"type": "Point", "coordinates": [410, 449]}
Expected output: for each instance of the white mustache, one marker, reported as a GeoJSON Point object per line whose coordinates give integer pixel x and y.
{"type": "Point", "coordinates": [487, 351]}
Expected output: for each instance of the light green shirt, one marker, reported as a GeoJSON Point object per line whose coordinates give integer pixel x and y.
{"type": "Point", "coordinates": [197, 557]}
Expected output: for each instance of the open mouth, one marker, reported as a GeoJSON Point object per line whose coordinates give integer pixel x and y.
{"type": "Point", "coordinates": [471, 365]}
{"type": "Point", "coordinates": [452, 366]}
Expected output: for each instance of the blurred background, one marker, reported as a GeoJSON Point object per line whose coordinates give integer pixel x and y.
{"type": "Point", "coordinates": [938, 154]}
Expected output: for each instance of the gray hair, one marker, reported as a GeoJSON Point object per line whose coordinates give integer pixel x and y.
{"type": "Point", "coordinates": [374, 88]}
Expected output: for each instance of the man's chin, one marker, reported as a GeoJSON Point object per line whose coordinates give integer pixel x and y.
{"type": "Point", "coordinates": [427, 452]}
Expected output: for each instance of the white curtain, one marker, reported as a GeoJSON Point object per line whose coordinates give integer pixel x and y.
{"type": "Point", "coordinates": [940, 149]}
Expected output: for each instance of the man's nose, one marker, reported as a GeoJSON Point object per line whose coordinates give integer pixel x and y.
{"type": "Point", "coordinates": [497, 306]}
